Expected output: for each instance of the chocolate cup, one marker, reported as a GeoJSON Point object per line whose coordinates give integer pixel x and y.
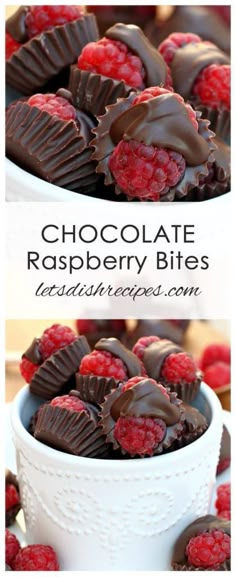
{"type": "Point", "coordinates": [55, 150]}
{"type": "Point", "coordinates": [223, 567]}
{"type": "Point", "coordinates": [53, 376]}
{"type": "Point", "coordinates": [225, 452]}
{"type": "Point", "coordinates": [160, 328]}
{"type": "Point", "coordinates": [76, 433]}
{"type": "Point", "coordinates": [93, 389]}
{"type": "Point", "coordinates": [195, 425]}
{"type": "Point", "coordinates": [92, 92]}
{"type": "Point", "coordinates": [219, 119]}
{"type": "Point", "coordinates": [104, 147]}
{"type": "Point", "coordinates": [46, 55]}
{"type": "Point", "coordinates": [10, 514]}
{"type": "Point", "coordinates": [187, 392]}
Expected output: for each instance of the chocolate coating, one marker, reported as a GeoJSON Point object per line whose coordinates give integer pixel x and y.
{"type": "Point", "coordinates": [155, 355]}
{"type": "Point", "coordinates": [145, 400]}
{"type": "Point", "coordinates": [115, 347]}
{"type": "Point", "coordinates": [193, 419]}
{"type": "Point", "coordinates": [15, 25]}
{"type": "Point", "coordinates": [207, 523]}
{"type": "Point", "coordinates": [162, 122]}
{"type": "Point", "coordinates": [222, 156]}
{"type": "Point", "coordinates": [138, 43]}
{"type": "Point", "coordinates": [188, 62]}
{"type": "Point", "coordinates": [33, 353]}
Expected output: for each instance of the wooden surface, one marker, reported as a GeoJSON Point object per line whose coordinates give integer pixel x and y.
{"type": "Point", "coordinates": [198, 336]}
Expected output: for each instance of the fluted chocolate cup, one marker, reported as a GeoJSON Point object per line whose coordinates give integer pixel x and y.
{"type": "Point", "coordinates": [43, 57]}
{"type": "Point", "coordinates": [194, 425]}
{"type": "Point", "coordinates": [53, 149]}
{"type": "Point", "coordinates": [93, 389]}
{"type": "Point", "coordinates": [160, 122]}
{"type": "Point", "coordinates": [219, 118]}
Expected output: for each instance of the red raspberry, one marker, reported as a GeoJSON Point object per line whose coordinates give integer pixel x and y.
{"type": "Point", "coordinates": [68, 402]}
{"type": "Point", "coordinates": [145, 172]}
{"type": "Point", "coordinates": [54, 338]}
{"type": "Point", "coordinates": [85, 326]}
{"type": "Point", "coordinates": [54, 105]}
{"type": "Point", "coordinates": [103, 363]}
{"type": "Point", "coordinates": [208, 550]}
{"type": "Point", "coordinates": [212, 86]}
{"type": "Point", "coordinates": [12, 546]}
{"type": "Point", "coordinates": [36, 558]}
{"type": "Point", "coordinates": [179, 367]}
{"type": "Point", "coordinates": [142, 343]}
{"type": "Point", "coordinates": [215, 352]}
{"type": "Point", "coordinates": [113, 59]}
{"type": "Point", "coordinates": [11, 45]}
{"type": "Point", "coordinates": [174, 41]}
{"type": "Point", "coordinates": [217, 375]}
{"type": "Point", "coordinates": [41, 18]}
{"type": "Point", "coordinates": [27, 369]}
{"type": "Point", "coordinates": [224, 515]}
{"type": "Point", "coordinates": [223, 497]}
{"type": "Point", "coordinates": [155, 91]}
{"type": "Point", "coordinates": [11, 496]}
{"type": "Point", "coordinates": [135, 380]}
{"type": "Point", "coordinates": [139, 435]}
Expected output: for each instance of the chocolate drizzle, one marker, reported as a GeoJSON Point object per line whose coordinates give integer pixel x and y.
{"type": "Point", "coordinates": [145, 400]}
{"type": "Point", "coordinates": [115, 347]}
{"type": "Point", "coordinates": [208, 523]}
{"type": "Point", "coordinates": [161, 121]}
{"type": "Point", "coordinates": [188, 62]}
{"type": "Point", "coordinates": [15, 25]}
{"type": "Point", "coordinates": [33, 353]}
{"type": "Point", "coordinates": [138, 43]}
{"type": "Point", "coordinates": [155, 355]}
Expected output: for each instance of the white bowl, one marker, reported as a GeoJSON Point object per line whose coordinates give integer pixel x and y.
{"type": "Point", "coordinates": [111, 514]}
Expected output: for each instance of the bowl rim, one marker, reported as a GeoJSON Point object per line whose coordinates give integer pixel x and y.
{"type": "Point", "coordinates": [58, 457]}
{"type": "Point", "coordinates": [22, 178]}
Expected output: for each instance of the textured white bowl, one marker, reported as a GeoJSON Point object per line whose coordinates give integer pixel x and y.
{"type": "Point", "coordinates": [114, 515]}
{"type": "Point", "coordinates": [22, 186]}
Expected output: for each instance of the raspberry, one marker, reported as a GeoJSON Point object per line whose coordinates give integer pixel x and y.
{"type": "Point", "coordinates": [208, 550]}
{"type": "Point", "coordinates": [41, 18]}
{"type": "Point", "coordinates": [112, 58]}
{"type": "Point", "coordinates": [179, 367]}
{"type": "Point", "coordinates": [212, 86]}
{"type": "Point", "coordinates": [224, 515]}
{"type": "Point", "coordinates": [27, 369]}
{"type": "Point", "coordinates": [223, 465]}
{"type": "Point", "coordinates": [11, 45]}
{"type": "Point", "coordinates": [85, 326]}
{"type": "Point", "coordinates": [145, 172]}
{"type": "Point", "coordinates": [68, 402]}
{"type": "Point", "coordinates": [135, 380]}
{"type": "Point", "coordinates": [139, 435]}
{"type": "Point", "coordinates": [11, 496]}
{"type": "Point", "coordinates": [53, 105]}
{"type": "Point", "coordinates": [12, 546]}
{"type": "Point", "coordinates": [155, 91]}
{"type": "Point", "coordinates": [142, 343]}
{"type": "Point", "coordinates": [36, 558]}
{"type": "Point", "coordinates": [54, 338]}
{"type": "Point", "coordinates": [215, 352]}
{"type": "Point", "coordinates": [223, 498]}
{"type": "Point", "coordinates": [174, 41]}
{"type": "Point", "coordinates": [217, 375]}
{"type": "Point", "coordinates": [103, 363]}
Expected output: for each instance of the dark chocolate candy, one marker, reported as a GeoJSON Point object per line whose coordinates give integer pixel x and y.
{"type": "Point", "coordinates": [204, 524]}
{"type": "Point", "coordinates": [15, 24]}
{"type": "Point", "coordinates": [10, 514]}
{"type": "Point", "coordinates": [33, 353]}
{"type": "Point", "coordinates": [155, 355]}
{"type": "Point", "coordinates": [139, 44]}
{"type": "Point", "coordinates": [115, 347]}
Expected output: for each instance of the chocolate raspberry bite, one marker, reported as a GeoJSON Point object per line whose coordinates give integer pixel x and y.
{"type": "Point", "coordinates": [12, 497]}
{"type": "Point", "coordinates": [95, 329]}
{"type": "Point", "coordinates": [142, 419]}
{"type": "Point", "coordinates": [225, 452]}
{"type": "Point", "coordinates": [105, 368]}
{"type": "Point", "coordinates": [164, 329]}
{"type": "Point", "coordinates": [195, 424]}
{"type": "Point", "coordinates": [122, 61]}
{"type": "Point", "coordinates": [170, 365]}
{"type": "Point", "coordinates": [51, 361]}
{"type": "Point", "coordinates": [70, 425]}
{"type": "Point", "coordinates": [49, 138]}
{"type": "Point", "coordinates": [203, 546]}
{"type": "Point", "coordinates": [42, 42]}
{"type": "Point", "coordinates": [153, 147]}
{"type": "Point", "coordinates": [201, 74]}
